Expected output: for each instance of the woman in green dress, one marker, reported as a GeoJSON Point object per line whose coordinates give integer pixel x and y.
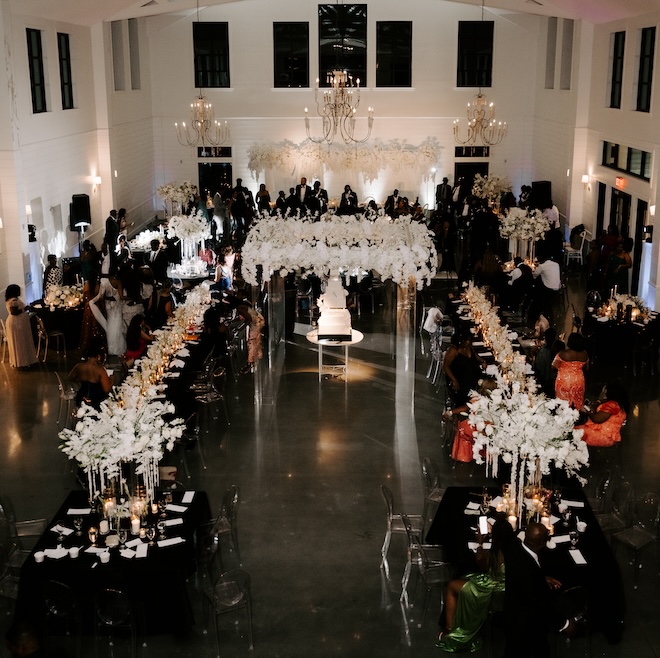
{"type": "Point", "coordinates": [469, 598]}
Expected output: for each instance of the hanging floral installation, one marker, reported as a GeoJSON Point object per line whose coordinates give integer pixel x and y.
{"type": "Point", "coordinates": [398, 249]}
{"type": "Point", "coordinates": [365, 159]}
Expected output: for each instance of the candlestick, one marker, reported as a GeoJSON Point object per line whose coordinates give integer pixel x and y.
{"type": "Point", "coordinates": [135, 525]}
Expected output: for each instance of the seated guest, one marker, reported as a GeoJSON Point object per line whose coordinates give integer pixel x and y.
{"type": "Point", "coordinates": [603, 426]}
{"type": "Point", "coordinates": [94, 381]}
{"type": "Point", "coordinates": [468, 598]}
{"type": "Point", "coordinates": [161, 306]}
{"type": "Point", "coordinates": [520, 284]}
{"type": "Point", "coordinates": [462, 367]}
{"type": "Point", "coordinates": [543, 370]}
{"type": "Point", "coordinates": [570, 365]}
{"type": "Point", "coordinates": [487, 269]}
{"type": "Point", "coordinates": [224, 270]}
{"type": "Point", "coordinates": [214, 335]}
{"type": "Point", "coordinates": [138, 336]}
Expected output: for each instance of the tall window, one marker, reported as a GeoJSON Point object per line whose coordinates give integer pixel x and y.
{"type": "Point", "coordinates": [646, 53]}
{"type": "Point", "coordinates": [566, 54]}
{"type": "Point", "coordinates": [211, 44]}
{"type": "Point", "coordinates": [616, 82]}
{"type": "Point", "coordinates": [394, 54]}
{"type": "Point", "coordinates": [118, 73]}
{"type": "Point", "coordinates": [343, 41]}
{"type": "Point", "coordinates": [134, 53]}
{"type": "Point", "coordinates": [66, 83]}
{"type": "Point", "coordinates": [36, 64]}
{"type": "Point", "coordinates": [475, 54]}
{"type": "Point", "coordinates": [551, 53]}
{"type": "Point", "coordinates": [291, 54]}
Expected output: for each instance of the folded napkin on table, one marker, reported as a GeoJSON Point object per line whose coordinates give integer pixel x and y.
{"type": "Point", "coordinates": [177, 363]}
{"type": "Point", "coordinates": [95, 550]}
{"type": "Point", "coordinates": [512, 335]}
{"type": "Point", "coordinates": [183, 352]}
{"type": "Point", "coordinates": [560, 539]}
{"type": "Point", "coordinates": [172, 374]}
{"type": "Point", "coordinates": [578, 558]}
{"type": "Point", "coordinates": [171, 507]}
{"type": "Point", "coordinates": [492, 369]}
{"type": "Point", "coordinates": [473, 505]}
{"type": "Point", "coordinates": [554, 519]}
{"type": "Point", "coordinates": [603, 318]}
{"type": "Point", "coordinates": [478, 343]}
{"type": "Point", "coordinates": [571, 503]}
{"type": "Point", "coordinates": [78, 511]}
{"type": "Point", "coordinates": [159, 397]}
{"type": "Point", "coordinates": [170, 542]}
{"type": "Point", "coordinates": [169, 522]}
{"type": "Point", "coordinates": [61, 530]}
{"type": "Point", "coordinates": [133, 542]}
{"type": "Point", "coordinates": [142, 550]}
{"type": "Point", "coordinates": [496, 501]}
{"type": "Point", "coordinates": [56, 553]}
{"type": "Point", "coordinates": [485, 353]}
{"type": "Point", "coordinates": [188, 497]}
{"type": "Point", "coordinates": [128, 553]}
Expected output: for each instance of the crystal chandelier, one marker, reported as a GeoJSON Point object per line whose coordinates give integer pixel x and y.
{"type": "Point", "coordinates": [204, 129]}
{"type": "Point", "coordinates": [481, 124]}
{"type": "Point", "coordinates": [337, 108]}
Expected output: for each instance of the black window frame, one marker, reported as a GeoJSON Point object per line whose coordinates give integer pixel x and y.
{"type": "Point", "coordinates": [211, 55]}
{"type": "Point", "coordinates": [612, 153]}
{"type": "Point", "coordinates": [616, 79]}
{"type": "Point", "coordinates": [36, 67]}
{"type": "Point", "coordinates": [66, 81]}
{"type": "Point", "coordinates": [645, 74]}
{"type": "Point", "coordinates": [290, 55]}
{"type": "Point", "coordinates": [394, 53]}
{"type": "Point", "coordinates": [474, 63]}
{"type": "Point", "coordinates": [343, 41]}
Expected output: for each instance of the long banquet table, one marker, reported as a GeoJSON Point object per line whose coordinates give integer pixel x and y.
{"type": "Point", "coordinates": [155, 584]}
{"type": "Point", "coordinates": [453, 528]}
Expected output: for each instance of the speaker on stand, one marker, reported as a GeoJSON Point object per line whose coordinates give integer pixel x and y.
{"type": "Point", "coordinates": [80, 216]}
{"type": "Point", "coordinates": [541, 196]}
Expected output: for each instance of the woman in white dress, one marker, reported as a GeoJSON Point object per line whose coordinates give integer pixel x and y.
{"type": "Point", "coordinates": [113, 320]}
{"type": "Point", "coordinates": [19, 332]}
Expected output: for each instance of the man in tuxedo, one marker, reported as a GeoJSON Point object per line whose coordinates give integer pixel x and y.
{"type": "Point", "coordinates": [111, 236]}
{"type": "Point", "coordinates": [392, 203]}
{"type": "Point", "coordinates": [529, 610]}
{"type": "Point", "coordinates": [443, 194]}
{"type": "Point", "coordinates": [303, 192]}
{"type": "Point", "coordinates": [318, 200]}
{"type": "Point", "coordinates": [157, 260]}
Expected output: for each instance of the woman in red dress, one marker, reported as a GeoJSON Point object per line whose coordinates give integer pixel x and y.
{"type": "Point", "coordinates": [603, 426]}
{"type": "Point", "coordinates": [570, 365]}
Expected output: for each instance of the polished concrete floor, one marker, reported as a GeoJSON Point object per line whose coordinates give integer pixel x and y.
{"type": "Point", "coordinates": [309, 458]}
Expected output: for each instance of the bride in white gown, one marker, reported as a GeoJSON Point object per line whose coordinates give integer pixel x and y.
{"type": "Point", "coordinates": [113, 320]}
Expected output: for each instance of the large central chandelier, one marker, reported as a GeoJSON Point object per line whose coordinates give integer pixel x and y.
{"type": "Point", "coordinates": [482, 125]}
{"type": "Point", "coordinates": [204, 130]}
{"type": "Point", "coordinates": [337, 107]}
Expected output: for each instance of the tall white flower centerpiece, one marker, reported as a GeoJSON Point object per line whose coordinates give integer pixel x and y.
{"type": "Point", "coordinates": [490, 187]}
{"type": "Point", "coordinates": [191, 230]}
{"type": "Point", "coordinates": [526, 226]}
{"type": "Point", "coordinates": [177, 196]}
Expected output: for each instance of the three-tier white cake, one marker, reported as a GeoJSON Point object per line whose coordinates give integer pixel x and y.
{"type": "Point", "coordinates": [335, 318]}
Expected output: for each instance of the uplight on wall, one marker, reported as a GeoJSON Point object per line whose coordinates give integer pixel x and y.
{"type": "Point", "coordinates": [96, 182]}
{"type": "Point", "coordinates": [586, 183]}
{"type": "Point", "coordinates": [652, 211]}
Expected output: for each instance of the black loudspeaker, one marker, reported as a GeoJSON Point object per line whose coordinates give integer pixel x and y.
{"type": "Point", "coordinates": [80, 211]}
{"type": "Point", "coordinates": [541, 194]}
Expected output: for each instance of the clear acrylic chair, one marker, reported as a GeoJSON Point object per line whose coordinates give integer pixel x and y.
{"type": "Point", "coordinates": [224, 525]}
{"type": "Point", "coordinates": [114, 616]}
{"type": "Point", "coordinates": [67, 397]}
{"type": "Point", "coordinates": [620, 515]}
{"type": "Point", "coordinates": [395, 526]}
{"type": "Point", "coordinates": [46, 336]}
{"type": "Point", "coordinates": [433, 492]}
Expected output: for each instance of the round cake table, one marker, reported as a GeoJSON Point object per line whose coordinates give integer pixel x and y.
{"type": "Point", "coordinates": [334, 370]}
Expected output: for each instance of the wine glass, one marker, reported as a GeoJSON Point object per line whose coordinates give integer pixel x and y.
{"type": "Point", "coordinates": [122, 534]}
{"type": "Point", "coordinates": [92, 533]}
{"type": "Point", "coordinates": [151, 534]}
{"type": "Point", "coordinates": [78, 524]}
{"type": "Point", "coordinates": [161, 529]}
{"type": "Point", "coordinates": [574, 537]}
{"type": "Point", "coordinates": [60, 532]}
{"type": "Point", "coordinates": [162, 506]}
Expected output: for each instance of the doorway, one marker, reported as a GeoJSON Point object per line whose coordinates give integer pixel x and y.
{"type": "Point", "coordinates": [214, 177]}
{"type": "Point", "coordinates": [468, 170]}
{"type": "Point", "coordinates": [620, 211]}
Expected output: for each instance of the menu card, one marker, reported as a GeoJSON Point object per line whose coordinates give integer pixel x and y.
{"type": "Point", "coordinates": [142, 550]}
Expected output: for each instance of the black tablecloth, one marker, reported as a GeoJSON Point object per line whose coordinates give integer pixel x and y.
{"type": "Point", "coordinates": [68, 320]}
{"type": "Point", "coordinates": [156, 584]}
{"type": "Point", "coordinates": [452, 528]}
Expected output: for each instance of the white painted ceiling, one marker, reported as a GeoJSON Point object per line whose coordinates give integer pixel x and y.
{"type": "Point", "coordinates": [88, 12]}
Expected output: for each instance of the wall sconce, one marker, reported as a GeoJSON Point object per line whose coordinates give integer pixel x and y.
{"type": "Point", "coordinates": [652, 211]}
{"type": "Point", "coordinates": [97, 181]}
{"type": "Point", "coordinates": [28, 210]}
{"type": "Point", "coordinates": [585, 182]}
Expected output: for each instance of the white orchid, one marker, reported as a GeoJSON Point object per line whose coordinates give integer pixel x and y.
{"type": "Point", "coordinates": [522, 224]}
{"type": "Point", "coordinates": [193, 227]}
{"type": "Point", "coordinates": [490, 187]}
{"type": "Point", "coordinates": [65, 296]}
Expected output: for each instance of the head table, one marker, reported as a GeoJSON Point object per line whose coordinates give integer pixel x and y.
{"type": "Point", "coordinates": [156, 583]}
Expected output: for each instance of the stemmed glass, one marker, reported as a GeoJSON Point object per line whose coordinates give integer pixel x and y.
{"type": "Point", "coordinates": [60, 532]}
{"type": "Point", "coordinates": [162, 505]}
{"type": "Point", "coordinates": [122, 534]}
{"type": "Point", "coordinates": [151, 534]}
{"type": "Point", "coordinates": [78, 524]}
{"type": "Point", "coordinates": [92, 533]}
{"type": "Point", "coordinates": [574, 537]}
{"type": "Point", "coordinates": [161, 529]}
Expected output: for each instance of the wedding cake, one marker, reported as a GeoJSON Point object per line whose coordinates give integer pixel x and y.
{"type": "Point", "coordinates": [335, 319]}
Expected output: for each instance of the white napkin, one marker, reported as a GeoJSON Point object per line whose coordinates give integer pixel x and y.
{"type": "Point", "coordinates": [491, 369]}
{"type": "Point", "coordinates": [603, 318]}
{"type": "Point", "coordinates": [78, 511]}
{"type": "Point", "coordinates": [142, 550]}
{"type": "Point", "coordinates": [560, 539]}
{"type": "Point", "coordinates": [496, 501]}
{"type": "Point", "coordinates": [56, 553]}
{"type": "Point", "coordinates": [571, 503]}
{"type": "Point", "coordinates": [183, 352]}
{"type": "Point", "coordinates": [177, 363]}
{"type": "Point", "coordinates": [578, 558]}
{"type": "Point", "coordinates": [472, 545]}
{"type": "Point", "coordinates": [484, 354]}
{"type": "Point", "coordinates": [95, 550]}
{"type": "Point", "coordinates": [60, 529]}
{"type": "Point", "coordinates": [188, 497]}
{"type": "Point", "coordinates": [109, 372]}
{"type": "Point", "coordinates": [473, 506]}
{"type": "Point", "coordinates": [478, 343]}
{"type": "Point", "coordinates": [170, 542]}
{"type": "Point", "coordinates": [172, 375]}
{"type": "Point", "coordinates": [128, 553]}
{"type": "Point", "coordinates": [133, 542]}
{"type": "Point", "coordinates": [171, 507]}
{"type": "Point", "coordinates": [512, 335]}
{"type": "Point", "coordinates": [169, 522]}
{"type": "Point", "coordinates": [554, 519]}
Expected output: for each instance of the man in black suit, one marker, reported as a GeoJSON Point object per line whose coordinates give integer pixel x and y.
{"type": "Point", "coordinates": [303, 192]}
{"type": "Point", "coordinates": [392, 203]}
{"type": "Point", "coordinates": [443, 195]}
{"type": "Point", "coordinates": [529, 612]}
{"type": "Point", "coordinates": [157, 260]}
{"type": "Point", "coordinates": [111, 236]}
{"type": "Point", "coordinates": [318, 200]}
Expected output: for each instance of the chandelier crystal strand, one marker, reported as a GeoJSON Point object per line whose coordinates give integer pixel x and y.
{"type": "Point", "coordinates": [204, 129]}
{"type": "Point", "coordinates": [337, 107]}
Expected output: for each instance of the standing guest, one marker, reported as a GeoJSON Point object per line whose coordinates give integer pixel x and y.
{"type": "Point", "coordinates": [443, 195]}
{"type": "Point", "coordinates": [52, 274]}
{"type": "Point", "coordinates": [551, 213]}
{"type": "Point", "coordinates": [256, 322]}
{"type": "Point", "coordinates": [161, 306]}
{"type": "Point", "coordinates": [90, 329]}
{"type": "Point", "coordinates": [570, 365]}
{"type": "Point", "coordinates": [88, 260]}
{"type": "Point", "coordinates": [158, 261]}
{"type": "Point", "coordinates": [108, 309]}
{"type": "Point", "coordinates": [523, 199]}
{"type": "Point", "coordinates": [95, 384]}
{"type": "Point", "coordinates": [303, 192]}
{"type": "Point", "coordinates": [392, 203]}
{"type": "Point", "coordinates": [348, 205]}
{"type": "Point", "coordinates": [618, 265]}
{"type": "Point", "coordinates": [547, 276]}
{"type": "Point", "coordinates": [529, 613]}
{"type": "Point", "coordinates": [105, 260]}
{"type": "Point", "coordinates": [219, 217]}
{"type": "Point", "coordinates": [263, 199]}
{"type": "Point", "coordinates": [123, 251]}
{"type": "Point", "coordinates": [280, 202]}
{"type": "Point", "coordinates": [19, 332]}
{"type": "Point", "coordinates": [602, 428]}
{"type": "Point", "coordinates": [122, 222]}
{"type": "Point", "coordinates": [318, 201]}
{"type": "Point", "coordinates": [224, 270]}
{"type": "Point", "coordinates": [111, 234]}
{"type": "Point", "coordinates": [293, 202]}
{"type": "Point", "coordinates": [138, 336]}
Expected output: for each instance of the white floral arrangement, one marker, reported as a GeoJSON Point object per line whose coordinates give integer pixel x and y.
{"type": "Point", "coordinates": [143, 239]}
{"type": "Point", "coordinates": [63, 296]}
{"type": "Point", "coordinates": [178, 193]}
{"type": "Point", "coordinates": [398, 249]}
{"type": "Point", "coordinates": [130, 427]}
{"type": "Point", "coordinates": [490, 187]}
{"type": "Point", "coordinates": [192, 227]}
{"type": "Point", "coordinates": [629, 300]}
{"type": "Point", "coordinates": [521, 224]}
{"type": "Point", "coordinates": [365, 159]}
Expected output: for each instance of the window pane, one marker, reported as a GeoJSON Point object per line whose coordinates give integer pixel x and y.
{"type": "Point", "coordinates": [551, 53]}
{"type": "Point", "coordinates": [618, 47]}
{"type": "Point", "coordinates": [291, 54]}
{"type": "Point", "coordinates": [66, 83]}
{"type": "Point", "coordinates": [117, 32]}
{"type": "Point", "coordinates": [475, 54]}
{"type": "Point", "coordinates": [36, 65]}
{"type": "Point", "coordinates": [635, 161]}
{"type": "Point", "coordinates": [211, 44]}
{"type": "Point", "coordinates": [343, 41]}
{"type": "Point", "coordinates": [394, 54]}
{"type": "Point", "coordinates": [647, 51]}
{"type": "Point", "coordinates": [134, 53]}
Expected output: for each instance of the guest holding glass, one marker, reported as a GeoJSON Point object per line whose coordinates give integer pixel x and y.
{"type": "Point", "coordinates": [19, 331]}
{"type": "Point", "coordinates": [95, 384]}
{"type": "Point", "coordinates": [602, 428]}
{"type": "Point", "coordinates": [570, 364]}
